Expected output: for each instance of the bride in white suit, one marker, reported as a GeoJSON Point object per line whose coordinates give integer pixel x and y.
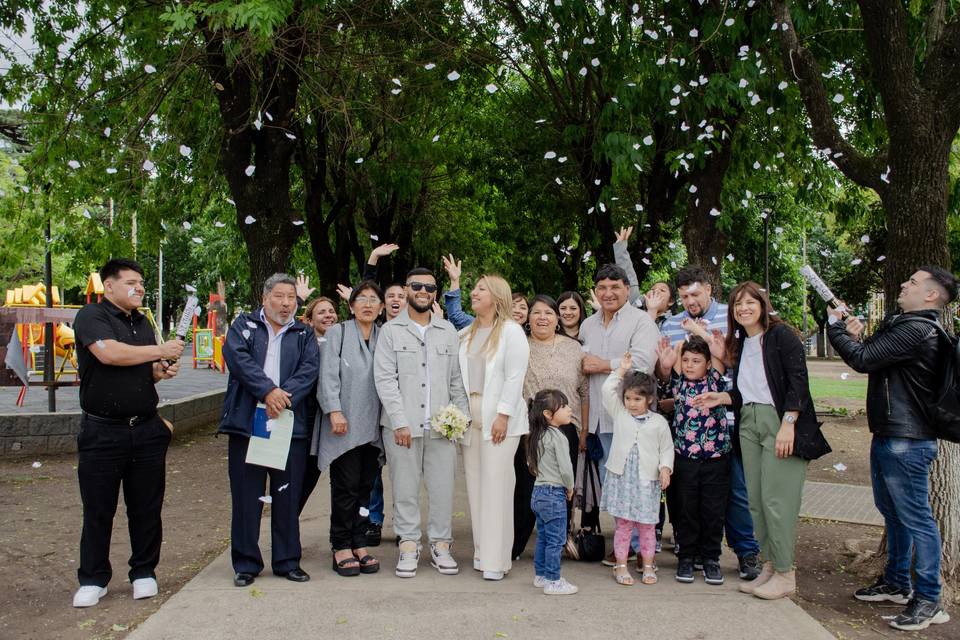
{"type": "Point", "coordinates": [493, 363]}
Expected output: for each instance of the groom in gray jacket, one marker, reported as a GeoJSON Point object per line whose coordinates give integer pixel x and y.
{"type": "Point", "coordinates": [417, 372]}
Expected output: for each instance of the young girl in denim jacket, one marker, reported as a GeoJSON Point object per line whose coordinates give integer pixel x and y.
{"type": "Point", "coordinates": [548, 458]}
{"type": "Point", "coordinates": [638, 467]}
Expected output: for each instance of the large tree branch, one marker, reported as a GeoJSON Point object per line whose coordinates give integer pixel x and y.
{"type": "Point", "coordinates": [941, 74]}
{"type": "Point", "coordinates": [803, 67]}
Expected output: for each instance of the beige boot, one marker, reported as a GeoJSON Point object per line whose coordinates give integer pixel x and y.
{"type": "Point", "coordinates": [779, 586]}
{"type": "Point", "coordinates": [766, 572]}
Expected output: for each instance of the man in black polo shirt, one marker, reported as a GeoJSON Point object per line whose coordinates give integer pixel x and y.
{"type": "Point", "coordinates": [122, 439]}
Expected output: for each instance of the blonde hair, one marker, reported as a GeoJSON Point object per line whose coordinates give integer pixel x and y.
{"type": "Point", "coordinates": [502, 303]}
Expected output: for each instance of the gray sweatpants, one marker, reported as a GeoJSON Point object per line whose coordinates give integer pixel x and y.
{"type": "Point", "coordinates": [433, 460]}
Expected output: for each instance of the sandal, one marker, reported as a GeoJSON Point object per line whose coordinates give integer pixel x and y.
{"type": "Point", "coordinates": [344, 567]}
{"type": "Point", "coordinates": [622, 578]}
{"type": "Point", "coordinates": [368, 564]}
{"type": "Point", "coordinates": [649, 574]}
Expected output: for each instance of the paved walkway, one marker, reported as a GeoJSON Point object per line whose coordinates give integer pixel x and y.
{"type": "Point", "coordinates": [841, 502]}
{"type": "Point", "coordinates": [189, 382]}
{"type": "Point", "coordinates": [464, 606]}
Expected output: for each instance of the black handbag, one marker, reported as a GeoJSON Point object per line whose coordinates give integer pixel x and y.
{"type": "Point", "coordinates": [589, 542]}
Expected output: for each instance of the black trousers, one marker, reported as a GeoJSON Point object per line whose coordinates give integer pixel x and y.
{"type": "Point", "coordinates": [702, 487]}
{"type": "Point", "coordinates": [351, 480]}
{"type": "Point", "coordinates": [110, 456]}
{"type": "Point", "coordinates": [247, 484]}
{"type": "Point", "coordinates": [524, 520]}
{"type": "Point", "coordinates": [311, 476]}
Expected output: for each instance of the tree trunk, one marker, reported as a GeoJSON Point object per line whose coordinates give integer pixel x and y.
{"type": "Point", "coordinates": [706, 244]}
{"type": "Point", "coordinates": [945, 498]}
{"type": "Point", "coordinates": [916, 202]}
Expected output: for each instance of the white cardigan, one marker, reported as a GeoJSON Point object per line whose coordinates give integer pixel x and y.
{"type": "Point", "coordinates": [653, 440]}
{"type": "Point", "coordinates": [503, 380]}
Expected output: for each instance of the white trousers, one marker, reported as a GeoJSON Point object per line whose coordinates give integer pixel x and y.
{"type": "Point", "coordinates": [490, 479]}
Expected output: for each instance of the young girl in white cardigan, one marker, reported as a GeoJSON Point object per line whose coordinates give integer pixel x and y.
{"type": "Point", "coordinates": [638, 467]}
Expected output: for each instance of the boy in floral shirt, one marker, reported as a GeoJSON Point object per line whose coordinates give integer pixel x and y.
{"type": "Point", "coordinates": [702, 446]}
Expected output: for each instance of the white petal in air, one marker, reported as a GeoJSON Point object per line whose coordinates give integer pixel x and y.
{"type": "Point", "coordinates": [73, 164]}
{"type": "Point", "coordinates": [219, 225]}
{"type": "Point", "coordinates": [491, 88]}
{"type": "Point", "coordinates": [544, 257]}
{"type": "Point", "coordinates": [148, 165]}
{"type": "Point", "coordinates": [298, 223]}
{"type": "Point", "coordinates": [186, 225]}
{"type": "Point", "coordinates": [865, 239]}
{"type": "Point", "coordinates": [429, 66]}
{"type": "Point", "coordinates": [648, 140]}
{"type": "Point", "coordinates": [249, 220]}
{"type": "Point", "coordinates": [249, 170]}
{"type": "Point", "coordinates": [838, 98]}
{"type": "Point", "coordinates": [453, 75]}
{"type": "Point", "coordinates": [197, 240]}
{"type": "Point", "coordinates": [185, 151]}
{"type": "Point", "coordinates": [149, 68]}
{"type": "Point", "coordinates": [785, 285]}
{"type": "Point", "coordinates": [550, 155]}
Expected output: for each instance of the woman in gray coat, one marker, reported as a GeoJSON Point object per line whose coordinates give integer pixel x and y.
{"type": "Point", "coordinates": [349, 436]}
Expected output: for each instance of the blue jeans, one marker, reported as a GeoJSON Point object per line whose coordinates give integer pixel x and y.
{"type": "Point", "coordinates": [376, 499]}
{"type": "Point", "coordinates": [738, 525]}
{"type": "Point", "coordinates": [549, 503]}
{"type": "Point", "coordinates": [900, 474]}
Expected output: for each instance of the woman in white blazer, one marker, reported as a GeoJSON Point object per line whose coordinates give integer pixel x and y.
{"type": "Point", "coordinates": [493, 363]}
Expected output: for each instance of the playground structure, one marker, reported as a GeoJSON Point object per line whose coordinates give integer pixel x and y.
{"type": "Point", "coordinates": [31, 334]}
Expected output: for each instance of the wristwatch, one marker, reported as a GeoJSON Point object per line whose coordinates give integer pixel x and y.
{"type": "Point", "coordinates": [790, 419]}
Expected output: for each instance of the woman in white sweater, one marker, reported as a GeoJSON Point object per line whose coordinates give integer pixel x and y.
{"type": "Point", "coordinates": [493, 362]}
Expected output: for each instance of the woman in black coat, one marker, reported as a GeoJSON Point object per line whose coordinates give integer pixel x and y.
{"type": "Point", "coordinates": [779, 432]}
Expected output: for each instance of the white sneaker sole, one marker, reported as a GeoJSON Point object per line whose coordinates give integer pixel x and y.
{"type": "Point", "coordinates": [940, 618]}
{"type": "Point", "coordinates": [84, 604]}
{"type": "Point", "coordinates": [403, 573]}
{"type": "Point", "coordinates": [447, 571]}
{"type": "Point", "coordinates": [565, 592]}
{"type": "Point", "coordinates": [883, 598]}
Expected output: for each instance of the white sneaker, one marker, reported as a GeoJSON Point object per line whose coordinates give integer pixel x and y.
{"type": "Point", "coordinates": [539, 582]}
{"type": "Point", "coordinates": [89, 595]}
{"type": "Point", "coordinates": [144, 588]}
{"type": "Point", "coordinates": [409, 558]}
{"type": "Point", "coordinates": [493, 575]}
{"type": "Point", "coordinates": [559, 588]}
{"type": "Point", "coordinates": [441, 560]}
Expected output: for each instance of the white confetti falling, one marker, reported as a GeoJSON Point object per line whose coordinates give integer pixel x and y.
{"type": "Point", "coordinates": [648, 140]}
{"type": "Point", "coordinates": [838, 98]}
{"type": "Point", "coordinates": [840, 466]}
{"type": "Point", "coordinates": [282, 487]}
{"type": "Point", "coordinates": [881, 258]}
{"type": "Point", "coordinates": [185, 151]}
{"type": "Point", "coordinates": [148, 165]}
{"type": "Point", "coordinates": [429, 66]}
{"type": "Point", "coordinates": [550, 155]}
{"type": "Point", "coordinates": [187, 225]}
{"type": "Point", "coordinates": [73, 164]}
{"type": "Point", "coordinates": [358, 161]}
{"type": "Point", "coordinates": [785, 285]}
{"type": "Point", "coordinates": [246, 334]}
{"type": "Point", "coordinates": [453, 76]}
{"type": "Point", "coordinates": [111, 170]}
{"type": "Point", "coordinates": [865, 238]}
{"type": "Point", "coordinates": [844, 375]}
{"type": "Point", "coordinates": [149, 68]}
{"type": "Point", "coordinates": [219, 225]}
{"type": "Point", "coordinates": [197, 240]}
{"type": "Point", "coordinates": [714, 212]}
{"type": "Point", "coordinates": [107, 131]}
{"type": "Point", "coordinates": [374, 237]}
{"type": "Point", "coordinates": [544, 257]}
{"type": "Point", "coordinates": [37, 465]}
{"type": "Point", "coordinates": [491, 88]}
{"type": "Point", "coordinates": [249, 170]}
{"type": "Point", "coordinates": [190, 288]}
{"type": "Point", "coordinates": [856, 261]}
{"type": "Point", "coordinates": [266, 499]}
{"type": "Point", "coordinates": [249, 220]}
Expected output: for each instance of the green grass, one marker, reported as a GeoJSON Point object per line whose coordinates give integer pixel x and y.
{"type": "Point", "coordinates": [821, 387]}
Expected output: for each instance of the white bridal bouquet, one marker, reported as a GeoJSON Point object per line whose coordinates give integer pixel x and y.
{"type": "Point", "coordinates": [450, 422]}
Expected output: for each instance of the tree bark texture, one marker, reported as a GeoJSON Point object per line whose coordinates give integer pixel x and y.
{"type": "Point", "coordinates": [945, 498]}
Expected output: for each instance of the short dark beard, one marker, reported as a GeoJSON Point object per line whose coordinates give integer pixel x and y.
{"type": "Point", "coordinates": [413, 303]}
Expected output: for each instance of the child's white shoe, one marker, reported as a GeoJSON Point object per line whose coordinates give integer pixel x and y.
{"type": "Point", "coordinates": [559, 588]}
{"type": "Point", "coordinates": [539, 582]}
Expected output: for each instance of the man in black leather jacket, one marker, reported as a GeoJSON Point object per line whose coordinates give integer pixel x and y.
{"type": "Point", "coordinates": [904, 359]}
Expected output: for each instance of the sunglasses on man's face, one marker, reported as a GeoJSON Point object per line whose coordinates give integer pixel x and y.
{"type": "Point", "coordinates": [418, 286]}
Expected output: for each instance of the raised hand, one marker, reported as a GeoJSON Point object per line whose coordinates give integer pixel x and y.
{"type": "Point", "coordinates": [454, 268]}
{"type": "Point", "coordinates": [695, 326]}
{"type": "Point", "coordinates": [626, 361]}
{"type": "Point", "coordinates": [344, 291]}
{"type": "Point", "coordinates": [655, 300]}
{"type": "Point", "coordinates": [666, 355]}
{"type": "Point", "coordinates": [593, 302]}
{"type": "Point", "coordinates": [624, 234]}
{"type": "Point", "coordinates": [718, 345]}
{"type": "Point", "coordinates": [303, 287]}
{"type": "Point", "coordinates": [382, 251]}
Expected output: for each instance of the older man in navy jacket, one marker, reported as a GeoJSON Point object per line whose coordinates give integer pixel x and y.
{"type": "Point", "coordinates": [274, 360]}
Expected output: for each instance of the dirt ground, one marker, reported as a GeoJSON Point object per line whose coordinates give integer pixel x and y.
{"type": "Point", "coordinates": [850, 440]}
{"type": "Point", "coordinates": [40, 539]}
{"type": "Point", "coordinates": [834, 560]}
